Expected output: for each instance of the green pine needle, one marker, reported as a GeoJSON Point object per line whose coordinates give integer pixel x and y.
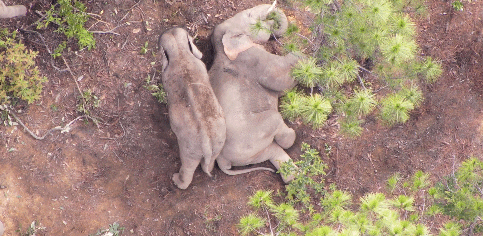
{"type": "Point", "coordinates": [431, 70]}
{"type": "Point", "coordinates": [362, 103]}
{"type": "Point", "coordinates": [349, 70]}
{"type": "Point", "coordinates": [291, 104]}
{"type": "Point", "coordinates": [261, 199]}
{"type": "Point", "coordinates": [351, 127]}
{"type": "Point", "coordinates": [450, 229]}
{"type": "Point", "coordinates": [379, 11]}
{"type": "Point", "coordinates": [403, 202]}
{"type": "Point", "coordinates": [375, 202]}
{"type": "Point", "coordinates": [395, 109]}
{"type": "Point", "coordinates": [399, 49]}
{"type": "Point", "coordinates": [403, 25]}
{"type": "Point", "coordinates": [250, 223]}
{"type": "Point", "coordinates": [315, 110]}
{"type": "Point", "coordinates": [331, 76]}
{"type": "Point", "coordinates": [336, 200]}
{"type": "Point", "coordinates": [307, 72]}
{"type": "Point", "coordinates": [413, 94]}
{"type": "Point", "coordinates": [286, 214]}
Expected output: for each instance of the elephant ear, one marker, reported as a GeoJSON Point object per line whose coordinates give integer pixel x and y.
{"type": "Point", "coordinates": [235, 43]}
{"type": "Point", "coordinates": [196, 52]}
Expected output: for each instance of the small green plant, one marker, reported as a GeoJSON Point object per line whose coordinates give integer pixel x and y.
{"type": "Point", "coordinates": [32, 230]}
{"type": "Point", "coordinates": [457, 5]}
{"type": "Point", "coordinates": [461, 195]}
{"type": "Point", "coordinates": [114, 230]}
{"type": "Point", "coordinates": [307, 175]}
{"type": "Point", "coordinates": [19, 77]}
{"type": "Point", "coordinates": [351, 127]}
{"type": "Point", "coordinates": [157, 90]}
{"type": "Point", "coordinates": [251, 223]}
{"type": "Point", "coordinates": [361, 103]}
{"type": "Point", "coordinates": [314, 109]}
{"type": "Point", "coordinates": [70, 16]}
{"type": "Point", "coordinates": [59, 49]}
{"type": "Point", "coordinates": [87, 102]}
{"type": "Point", "coordinates": [144, 49]}
{"type": "Point", "coordinates": [430, 70]}
{"type": "Point", "coordinates": [395, 109]}
{"type": "Point", "coordinates": [307, 73]}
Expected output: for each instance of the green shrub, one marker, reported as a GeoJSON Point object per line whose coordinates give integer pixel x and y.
{"type": "Point", "coordinates": [374, 213]}
{"type": "Point", "coordinates": [306, 175]}
{"type": "Point", "coordinates": [461, 195]}
{"type": "Point", "coordinates": [377, 34]}
{"type": "Point", "coordinates": [19, 77]}
{"type": "Point", "coordinates": [70, 17]}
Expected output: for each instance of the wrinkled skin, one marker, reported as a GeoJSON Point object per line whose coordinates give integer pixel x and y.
{"type": "Point", "coordinates": [12, 11]}
{"type": "Point", "coordinates": [195, 115]}
{"type": "Point", "coordinates": [248, 81]}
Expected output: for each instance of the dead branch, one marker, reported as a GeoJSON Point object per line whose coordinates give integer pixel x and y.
{"type": "Point", "coordinates": [64, 129]}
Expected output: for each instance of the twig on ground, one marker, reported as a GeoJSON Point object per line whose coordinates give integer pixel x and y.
{"type": "Point", "coordinates": [366, 70]}
{"type": "Point", "coordinates": [64, 129]}
{"type": "Point", "coordinates": [111, 31]}
{"type": "Point", "coordinates": [360, 81]}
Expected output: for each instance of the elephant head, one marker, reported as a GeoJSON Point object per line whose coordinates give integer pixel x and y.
{"type": "Point", "coordinates": [12, 11]}
{"type": "Point", "coordinates": [195, 115]}
{"type": "Point", "coordinates": [249, 27]}
{"type": "Point", "coordinates": [247, 81]}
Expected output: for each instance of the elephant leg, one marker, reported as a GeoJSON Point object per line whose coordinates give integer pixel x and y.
{"type": "Point", "coordinates": [285, 136]}
{"type": "Point", "coordinates": [189, 163]}
{"type": "Point", "coordinates": [277, 157]}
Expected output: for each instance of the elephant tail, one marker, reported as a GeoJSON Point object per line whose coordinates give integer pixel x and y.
{"type": "Point", "coordinates": [237, 172]}
{"type": "Point", "coordinates": [208, 157]}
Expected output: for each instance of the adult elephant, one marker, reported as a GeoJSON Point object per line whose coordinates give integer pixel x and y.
{"type": "Point", "coordinates": [248, 80]}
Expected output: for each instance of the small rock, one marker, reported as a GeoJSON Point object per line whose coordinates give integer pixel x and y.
{"type": "Point", "coordinates": [2, 228]}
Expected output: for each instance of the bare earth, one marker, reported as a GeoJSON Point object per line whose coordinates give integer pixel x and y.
{"type": "Point", "coordinates": [120, 171]}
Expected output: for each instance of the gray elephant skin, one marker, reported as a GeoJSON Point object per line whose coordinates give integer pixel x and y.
{"type": "Point", "coordinates": [248, 81]}
{"type": "Point", "coordinates": [12, 11]}
{"type": "Point", "coordinates": [195, 115]}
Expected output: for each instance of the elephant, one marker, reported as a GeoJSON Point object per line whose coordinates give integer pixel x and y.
{"type": "Point", "coordinates": [12, 11]}
{"type": "Point", "coordinates": [195, 115]}
{"type": "Point", "coordinates": [248, 81]}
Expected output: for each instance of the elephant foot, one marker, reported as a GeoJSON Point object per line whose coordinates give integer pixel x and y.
{"type": "Point", "coordinates": [179, 182]}
{"type": "Point", "coordinates": [286, 137]}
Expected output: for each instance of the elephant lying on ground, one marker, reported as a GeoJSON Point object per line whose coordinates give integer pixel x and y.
{"type": "Point", "coordinates": [248, 81]}
{"type": "Point", "coordinates": [195, 115]}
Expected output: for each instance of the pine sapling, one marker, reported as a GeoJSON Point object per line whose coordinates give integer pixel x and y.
{"type": "Point", "coordinates": [290, 106]}
{"type": "Point", "coordinates": [395, 109]}
{"type": "Point", "coordinates": [307, 72]}
{"type": "Point", "coordinates": [315, 109]}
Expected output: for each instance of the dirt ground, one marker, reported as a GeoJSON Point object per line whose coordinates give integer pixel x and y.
{"type": "Point", "coordinates": [120, 171]}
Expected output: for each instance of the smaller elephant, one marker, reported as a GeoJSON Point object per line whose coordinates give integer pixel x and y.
{"type": "Point", "coordinates": [195, 115]}
{"type": "Point", "coordinates": [248, 81]}
{"type": "Point", "coordinates": [12, 11]}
